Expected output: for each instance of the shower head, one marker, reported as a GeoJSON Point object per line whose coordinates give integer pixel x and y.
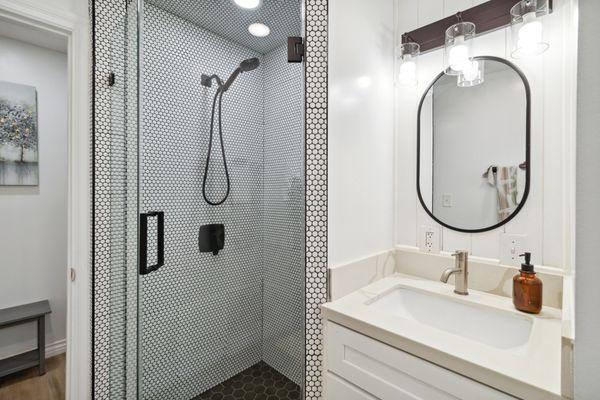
{"type": "Point", "coordinates": [249, 64]}
{"type": "Point", "coordinates": [245, 66]}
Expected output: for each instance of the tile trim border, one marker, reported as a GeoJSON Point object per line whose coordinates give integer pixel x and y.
{"type": "Point", "coordinates": [316, 190]}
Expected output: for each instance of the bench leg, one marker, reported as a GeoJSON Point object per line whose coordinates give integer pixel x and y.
{"type": "Point", "coordinates": [41, 336]}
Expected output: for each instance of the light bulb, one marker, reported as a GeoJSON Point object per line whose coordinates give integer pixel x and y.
{"type": "Point", "coordinates": [258, 29]}
{"type": "Point", "coordinates": [408, 72]}
{"type": "Point", "coordinates": [472, 75]}
{"type": "Point", "coordinates": [528, 39]}
{"type": "Point", "coordinates": [458, 58]}
{"type": "Point", "coordinates": [248, 3]}
{"type": "Point", "coordinates": [530, 34]}
{"type": "Point", "coordinates": [471, 71]}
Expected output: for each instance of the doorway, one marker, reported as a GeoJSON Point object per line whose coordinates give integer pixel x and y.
{"type": "Point", "coordinates": [34, 121]}
{"type": "Point", "coordinates": [44, 203]}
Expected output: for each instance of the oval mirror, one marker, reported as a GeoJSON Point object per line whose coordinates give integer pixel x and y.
{"type": "Point", "coordinates": [473, 161]}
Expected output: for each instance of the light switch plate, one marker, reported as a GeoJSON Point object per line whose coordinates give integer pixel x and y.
{"type": "Point", "coordinates": [446, 200]}
{"type": "Point", "coordinates": [429, 239]}
{"type": "Point", "coordinates": [511, 246]}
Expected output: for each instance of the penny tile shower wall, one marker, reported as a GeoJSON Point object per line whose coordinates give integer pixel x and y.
{"type": "Point", "coordinates": [201, 315]}
{"type": "Point", "coordinates": [206, 318]}
{"type": "Point", "coordinates": [110, 301]}
{"type": "Point", "coordinates": [283, 305]}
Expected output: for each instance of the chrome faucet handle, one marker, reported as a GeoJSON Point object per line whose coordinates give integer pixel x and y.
{"type": "Point", "coordinates": [462, 257]}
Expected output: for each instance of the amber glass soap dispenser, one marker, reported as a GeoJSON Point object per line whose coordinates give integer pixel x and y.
{"type": "Point", "coordinates": [527, 288]}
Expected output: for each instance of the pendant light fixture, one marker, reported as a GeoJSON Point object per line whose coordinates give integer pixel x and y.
{"type": "Point", "coordinates": [472, 75]}
{"type": "Point", "coordinates": [527, 28]}
{"type": "Point", "coordinates": [407, 55]}
{"type": "Point", "coordinates": [458, 46]}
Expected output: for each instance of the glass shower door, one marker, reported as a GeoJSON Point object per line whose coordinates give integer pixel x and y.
{"type": "Point", "coordinates": [206, 318]}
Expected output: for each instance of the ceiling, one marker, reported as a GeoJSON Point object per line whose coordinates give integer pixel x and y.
{"type": "Point", "coordinates": [227, 19]}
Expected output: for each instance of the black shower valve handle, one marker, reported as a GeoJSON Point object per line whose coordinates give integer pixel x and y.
{"type": "Point", "coordinates": [211, 238]}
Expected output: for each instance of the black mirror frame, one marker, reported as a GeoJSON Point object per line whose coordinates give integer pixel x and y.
{"type": "Point", "coordinates": [527, 148]}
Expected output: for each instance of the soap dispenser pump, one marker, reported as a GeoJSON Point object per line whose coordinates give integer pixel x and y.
{"type": "Point", "coordinates": [527, 288]}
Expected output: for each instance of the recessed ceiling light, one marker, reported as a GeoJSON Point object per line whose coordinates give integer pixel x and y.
{"type": "Point", "coordinates": [258, 29]}
{"type": "Point", "coordinates": [248, 3]}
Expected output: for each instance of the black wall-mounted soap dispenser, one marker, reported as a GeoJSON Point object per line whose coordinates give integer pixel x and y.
{"type": "Point", "coordinates": [211, 238]}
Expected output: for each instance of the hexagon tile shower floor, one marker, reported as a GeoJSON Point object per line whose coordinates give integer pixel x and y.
{"type": "Point", "coordinates": [259, 382]}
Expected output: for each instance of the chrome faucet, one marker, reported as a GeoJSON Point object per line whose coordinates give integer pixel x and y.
{"type": "Point", "coordinates": [461, 269]}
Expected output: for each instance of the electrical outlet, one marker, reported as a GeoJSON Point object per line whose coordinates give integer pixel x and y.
{"type": "Point", "coordinates": [511, 246]}
{"type": "Point", "coordinates": [429, 239]}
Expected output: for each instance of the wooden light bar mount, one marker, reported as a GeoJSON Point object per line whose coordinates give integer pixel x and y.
{"type": "Point", "coordinates": [486, 16]}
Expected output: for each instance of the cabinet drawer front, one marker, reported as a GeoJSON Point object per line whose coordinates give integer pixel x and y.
{"type": "Point", "coordinates": [389, 373]}
{"type": "Point", "coordinates": [338, 389]}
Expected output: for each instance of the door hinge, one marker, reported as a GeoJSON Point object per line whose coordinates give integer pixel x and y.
{"type": "Point", "coordinates": [72, 274]}
{"type": "Point", "coordinates": [328, 285]}
{"type": "Point", "coordinates": [111, 79]}
{"type": "Point", "coordinates": [295, 49]}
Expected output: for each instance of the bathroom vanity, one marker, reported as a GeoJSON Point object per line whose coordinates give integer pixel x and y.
{"type": "Point", "coordinates": [405, 337]}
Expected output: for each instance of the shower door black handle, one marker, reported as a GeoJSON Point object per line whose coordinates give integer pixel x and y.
{"type": "Point", "coordinates": [160, 245]}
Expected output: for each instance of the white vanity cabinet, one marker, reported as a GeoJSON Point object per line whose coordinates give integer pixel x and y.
{"type": "Point", "coordinates": [361, 368]}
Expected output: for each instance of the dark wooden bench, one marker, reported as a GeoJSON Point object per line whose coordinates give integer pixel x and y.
{"type": "Point", "coordinates": [20, 315]}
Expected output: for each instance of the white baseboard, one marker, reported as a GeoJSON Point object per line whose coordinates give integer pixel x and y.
{"type": "Point", "coordinates": [56, 348]}
{"type": "Point", "coordinates": [52, 349]}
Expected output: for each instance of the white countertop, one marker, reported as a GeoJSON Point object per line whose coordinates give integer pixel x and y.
{"type": "Point", "coordinates": [531, 371]}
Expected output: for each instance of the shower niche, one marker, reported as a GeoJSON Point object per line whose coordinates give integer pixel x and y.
{"type": "Point", "coordinates": [216, 137]}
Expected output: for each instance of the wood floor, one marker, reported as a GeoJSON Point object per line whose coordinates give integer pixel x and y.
{"type": "Point", "coordinates": [27, 385]}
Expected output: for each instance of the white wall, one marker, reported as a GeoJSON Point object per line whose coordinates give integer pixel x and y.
{"type": "Point", "coordinates": [587, 295]}
{"type": "Point", "coordinates": [361, 134]}
{"type": "Point", "coordinates": [545, 217]}
{"type": "Point", "coordinates": [33, 220]}
{"type": "Point", "coordinates": [77, 7]}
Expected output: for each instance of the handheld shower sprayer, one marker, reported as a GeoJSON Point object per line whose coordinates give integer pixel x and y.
{"type": "Point", "coordinates": [206, 80]}
{"type": "Point", "coordinates": [247, 65]}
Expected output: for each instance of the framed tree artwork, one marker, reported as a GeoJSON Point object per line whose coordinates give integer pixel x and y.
{"type": "Point", "coordinates": [18, 135]}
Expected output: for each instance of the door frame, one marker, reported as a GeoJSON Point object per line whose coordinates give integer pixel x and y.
{"type": "Point", "coordinates": [76, 29]}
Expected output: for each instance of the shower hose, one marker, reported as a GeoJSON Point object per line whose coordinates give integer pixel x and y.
{"type": "Point", "coordinates": [219, 96]}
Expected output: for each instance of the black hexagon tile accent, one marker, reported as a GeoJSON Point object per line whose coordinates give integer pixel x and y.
{"type": "Point", "coordinates": [259, 382]}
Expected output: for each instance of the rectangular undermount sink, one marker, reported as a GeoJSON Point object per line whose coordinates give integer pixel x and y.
{"type": "Point", "coordinates": [481, 335]}
{"type": "Point", "coordinates": [493, 327]}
